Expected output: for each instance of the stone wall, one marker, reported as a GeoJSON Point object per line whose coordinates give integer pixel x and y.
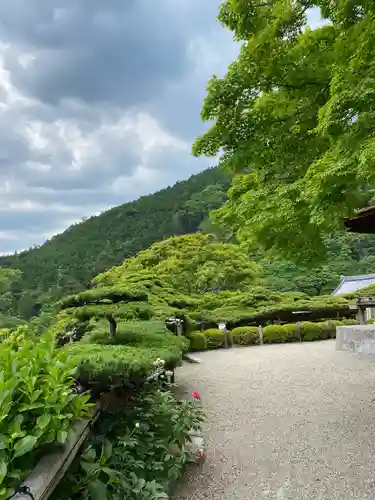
{"type": "Point", "coordinates": [356, 338]}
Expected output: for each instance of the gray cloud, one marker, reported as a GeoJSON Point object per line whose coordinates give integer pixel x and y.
{"type": "Point", "coordinates": [115, 51]}
{"type": "Point", "coordinates": [99, 104]}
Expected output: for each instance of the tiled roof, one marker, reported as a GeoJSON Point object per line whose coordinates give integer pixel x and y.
{"type": "Point", "coordinates": [352, 283]}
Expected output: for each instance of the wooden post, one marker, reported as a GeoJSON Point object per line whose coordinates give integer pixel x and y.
{"type": "Point", "coordinates": [330, 326]}
{"type": "Point", "coordinates": [112, 327]}
{"type": "Point", "coordinates": [361, 313]}
{"type": "Point", "coordinates": [223, 328]}
{"type": "Point", "coordinates": [179, 328]}
{"type": "Point", "coordinates": [260, 331]}
{"type": "Point", "coordinates": [298, 326]}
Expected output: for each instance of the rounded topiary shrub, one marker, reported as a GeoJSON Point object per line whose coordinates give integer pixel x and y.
{"type": "Point", "coordinates": [291, 332]}
{"type": "Point", "coordinates": [273, 334]}
{"type": "Point", "coordinates": [312, 331]}
{"type": "Point", "coordinates": [245, 335]}
{"type": "Point", "coordinates": [215, 338]}
{"type": "Point", "coordinates": [198, 341]}
{"type": "Point", "coordinates": [328, 332]}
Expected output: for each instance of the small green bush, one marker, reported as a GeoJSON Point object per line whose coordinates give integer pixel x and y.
{"type": "Point", "coordinates": [274, 334]}
{"type": "Point", "coordinates": [245, 335]}
{"type": "Point", "coordinates": [215, 338]}
{"type": "Point", "coordinates": [292, 333]}
{"type": "Point", "coordinates": [312, 331]}
{"type": "Point", "coordinates": [106, 365]}
{"type": "Point", "coordinates": [198, 341]}
{"type": "Point", "coordinates": [327, 331]}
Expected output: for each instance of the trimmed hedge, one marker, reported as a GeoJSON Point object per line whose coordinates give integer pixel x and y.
{"type": "Point", "coordinates": [245, 335]}
{"type": "Point", "coordinates": [107, 365]}
{"type": "Point", "coordinates": [130, 358]}
{"type": "Point", "coordinates": [137, 333]}
{"type": "Point", "coordinates": [215, 338]}
{"type": "Point", "coordinates": [307, 332]}
{"type": "Point", "coordinates": [198, 341]}
{"type": "Point", "coordinates": [312, 331]}
{"type": "Point", "coordinates": [272, 334]}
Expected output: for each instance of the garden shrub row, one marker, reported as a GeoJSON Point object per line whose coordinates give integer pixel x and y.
{"type": "Point", "coordinates": [277, 333]}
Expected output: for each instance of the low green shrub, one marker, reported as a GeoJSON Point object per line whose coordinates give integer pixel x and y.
{"type": "Point", "coordinates": [292, 332]}
{"type": "Point", "coordinates": [274, 334]}
{"type": "Point", "coordinates": [137, 452]}
{"type": "Point", "coordinates": [107, 365]}
{"type": "Point", "coordinates": [328, 330]}
{"type": "Point", "coordinates": [312, 331]}
{"type": "Point", "coordinates": [245, 335]}
{"type": "Point", "coordinates": [215, 338]}
{"type": "Point", "coordinates": [198, 341]}
{"type": "Point", "coordinates": [138, 333]}
{"type": "Point", "coordinates": [38, 405]}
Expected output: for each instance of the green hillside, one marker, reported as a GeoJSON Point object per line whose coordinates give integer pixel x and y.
{"type": "Point", "coordinates": [66, 264]}
{"type": "Point", "coordinates": [70, 260]}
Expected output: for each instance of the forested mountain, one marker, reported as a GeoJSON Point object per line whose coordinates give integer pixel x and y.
{"type": "Point", "coordinates": [68, 261]}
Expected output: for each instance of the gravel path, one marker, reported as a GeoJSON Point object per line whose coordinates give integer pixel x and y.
{"type": "Point", "coordinates": [285, 422]}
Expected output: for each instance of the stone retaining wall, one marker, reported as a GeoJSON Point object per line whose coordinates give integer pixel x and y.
{"type": "Point", "coordinates": [356, 338]}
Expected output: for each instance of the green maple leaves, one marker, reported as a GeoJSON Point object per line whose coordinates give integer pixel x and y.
{"type": "Point", "coordinates": [296, 110]}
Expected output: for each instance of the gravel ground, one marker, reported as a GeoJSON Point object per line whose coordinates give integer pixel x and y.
{"type": "Point", "coordinates": [285, 422]}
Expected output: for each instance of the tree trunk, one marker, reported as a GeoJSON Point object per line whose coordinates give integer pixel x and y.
{"type": "Point", "coordinates": [112, 327]}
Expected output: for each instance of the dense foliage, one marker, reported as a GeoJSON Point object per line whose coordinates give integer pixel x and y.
{"type": "Point", "coordinates": [137, 451]}
{"type": "Point", "coordinates": [38, 405]}
{"type": "Point", "coordinates": [294, 118]}
{"type": "Point", "coordinates": [194, 263]}
{"type": "Point", "coordinates": [260, 306]}
{"type": "Point", "coordinates": [183, 264]}
{"type": "Point", "coordinates": [347, 254]}
{"type": "Point", "coordinates": [128, 360]}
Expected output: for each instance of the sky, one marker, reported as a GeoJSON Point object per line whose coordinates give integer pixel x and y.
{"type": "Point", "coordinates": [99, 104]}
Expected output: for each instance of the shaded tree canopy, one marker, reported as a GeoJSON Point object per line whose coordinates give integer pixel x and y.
{"type": "Point", "coordinates": [294, 116]}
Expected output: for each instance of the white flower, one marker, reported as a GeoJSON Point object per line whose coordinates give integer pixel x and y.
{"type": "Point", "coordinates": [137, 425]}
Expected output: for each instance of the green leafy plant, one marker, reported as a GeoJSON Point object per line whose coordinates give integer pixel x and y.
{"type": "Point", "coordinates": [37, 404]}
{"type": "Point", "coordinates": [198, 341]}
{"type": "Point", "coordinates": [107, 365]}
{"type": "Point", "coordinates": [137, 451]}
{"type": "Point", "coordinates": [273, 334]}
{"type": "Point", "coordinates": [292, 332]}
{"type": "Point", "coordinates": [245, 335]}
{"type": "Point", "coordinates": [313, 331]}
{"type": "Point", "coordinates": [215, 338]}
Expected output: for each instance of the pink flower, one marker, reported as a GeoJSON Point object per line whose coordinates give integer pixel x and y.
{"type": "Point", "coordinates": [201, 454]}
{"type": "Point", "coordinates": [196, 395]}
